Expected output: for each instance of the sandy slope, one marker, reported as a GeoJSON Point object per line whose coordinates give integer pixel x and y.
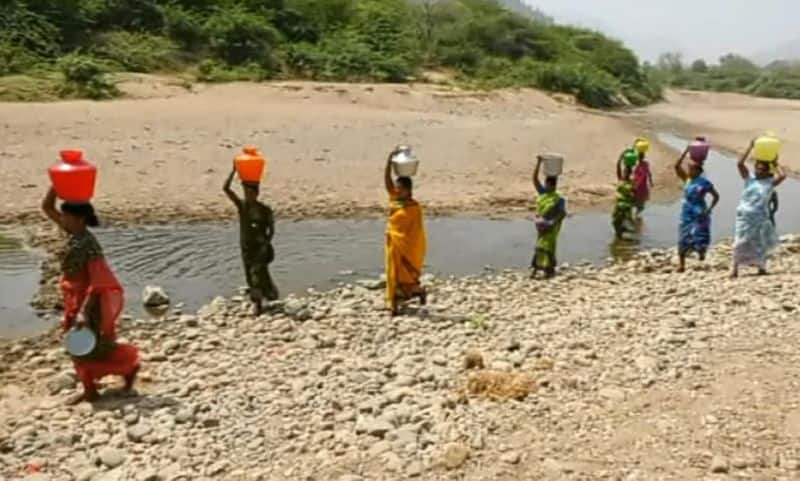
{"type": "Point", "coordinates": [731, 120]}
{"type": "Point", "coordinates": [166, 157]}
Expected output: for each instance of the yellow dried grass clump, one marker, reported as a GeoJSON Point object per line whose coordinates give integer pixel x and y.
{"type": "Point", "coordinates": [499, 385]}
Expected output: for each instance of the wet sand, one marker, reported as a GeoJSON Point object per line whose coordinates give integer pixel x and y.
{"type": "Point", "coordinates": [165, 158]}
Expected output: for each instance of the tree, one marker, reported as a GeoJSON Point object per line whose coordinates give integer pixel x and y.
{"type": "Point", "coordinates": [671, 62]}
{"type": "Point", "coordinates": [699, 66]}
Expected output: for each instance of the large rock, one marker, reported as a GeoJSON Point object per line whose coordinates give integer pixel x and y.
{"type": "Point", "coordinates": [61, 382]}
{"type": "Point", "coordinates": [111, 457]}
{"type": "Point", "coordinates": [455, 455]}
{"type": "Point", "coordinates": [154, 296]}
{"type": "Point", "coordinates": [373, 427]}
{"type": "Point", "coordinates": [138, 432]}
{"type": "Point", "coordinates": [294, 307]}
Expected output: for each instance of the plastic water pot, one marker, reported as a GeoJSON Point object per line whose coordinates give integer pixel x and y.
{"type": "Point", "coordinates": [630, 158]}
{"type": "Point", "coordinates": [642, 145]}
{"type": "Point", "coordinates": [767, 147]}
{"type": "Point", "coordinates": [73, 178]}
{"type": "Point", "coordinates": [698, 149]}
{"type": "Point", "coordinates": [553, 164]}
{"type": "Point", "coordinates": [250, 165]}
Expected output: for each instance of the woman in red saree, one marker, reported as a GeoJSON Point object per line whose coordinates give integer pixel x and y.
{"type": "Point", "coordinates": [92, 298]}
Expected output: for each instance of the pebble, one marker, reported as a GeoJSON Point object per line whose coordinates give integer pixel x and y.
{"type": "Point", "coordinates": [136, 433]}
{"type": "Point", "coordinates": [351, 395]}
{"type": "Point", "coordinates": [111, 457]}
{"type": "Point", "coordinates": [511, 457]}
{"type": "Point", "coordinates": [455, 455]}
{"type": "Point", "coordinates": [719, 465]}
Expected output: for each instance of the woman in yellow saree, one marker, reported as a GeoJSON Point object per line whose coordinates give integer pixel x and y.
{"type": "Point", "coordinates": [405, 242]}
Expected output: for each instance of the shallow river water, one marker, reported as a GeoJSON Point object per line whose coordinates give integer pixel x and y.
{"type": "Point", "coordinates": [197, 262]}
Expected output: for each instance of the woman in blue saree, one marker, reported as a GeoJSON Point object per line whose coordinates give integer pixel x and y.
{"type": "Point", "coordinates": [694, 233]}
{"type": "Point", "coordinates": [755, 237]}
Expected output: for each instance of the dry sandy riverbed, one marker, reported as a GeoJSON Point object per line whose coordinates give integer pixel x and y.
{"type": "Point", "coordinates": [731, 120]}
{"type": "Point", "coordinates": [164, 158]}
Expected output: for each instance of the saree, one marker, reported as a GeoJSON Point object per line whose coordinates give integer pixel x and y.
{"type": "Point", "coordinates": [257, 251]}
{"type": "Point", "coordinates": [755, 236]}
{"type": "Point", "coordinates": [88, 284]}
{"type": "Point", "coordinates": [622, 217]}
{"type": "Point", "coordinates": [641, 183]}
{"type": "Point", "coordinates": [404, 250]}
{"type": "Point", "coordinates": [694, 231]}
{"type": "Point", "coordinates": [549, 205]}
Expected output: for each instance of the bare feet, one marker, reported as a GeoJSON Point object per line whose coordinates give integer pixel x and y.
{"type": "Point", "coordinates": [130, 379]}
{"type": "Point", "coordinates": [90, 395]}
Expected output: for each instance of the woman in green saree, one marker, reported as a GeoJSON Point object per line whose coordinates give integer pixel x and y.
{"type": "Point", "coordinates": [623, 216]}
{"type": "Point", "coordinates": [550, 213]}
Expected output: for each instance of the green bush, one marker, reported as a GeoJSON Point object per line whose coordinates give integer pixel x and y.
{"type": "Point", "coordinates": [137, 52]}
{"type": "Point", "coordinates": [591, 86]}
{"type": "Point", "coordinates": [138, 15]}
{"type": "Point", "coordinates": [15, 59]}
{"type": "Point", "coordinates": [213, 71]}
{"type": "Point", "coordinates": [239, 37]}
{"type": "Point", "coordinates": [484, 42]}
{"type": "Point", "coordinates": [185, 27]}
{"type": "Point", "coordinates": [28, 30]}
{"type": "Point", "coordinates": [85, 77]}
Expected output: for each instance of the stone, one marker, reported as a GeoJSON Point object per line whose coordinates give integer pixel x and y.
{"type": "Point", "coordinates": [455, 455]}
{"type": "Point", "coordinates": [61, 382]}
{"type": "Point", "coordinates": [111, 457]}
{"type": "Point", "coordinates": [511, 457]}
{"type": "Point", "coordinates": [414, 469]}
{"type": "Point", "coordinates": [372, 284]}
{"type": "Point", "coordinates": [113, 475]}
{"type": "Point", "coordinates": [149, 474]}
{"type": "Point", "coordinates": [137, 432]}
{"type": "Point", "coordinates": [392, 462]}
{"type": "Point", "coordinates": [380, 448]}
{"type": "Point", "coordinates": [184, 416]}
{"type": "Point", "coordinates": [87, 474]}
{"type": "Point", "coordinates": [373, 427]}
{"type": "Point", "coordinates": [293, 307]}
{"type": "Point", "coordinates": [719, 465]}
{"type": "Point", "coordinates": [740, 463]}
{"type": "Point", "coordinates": [154, 296]}
{"type": "Point", "coordinates": [612, 394]}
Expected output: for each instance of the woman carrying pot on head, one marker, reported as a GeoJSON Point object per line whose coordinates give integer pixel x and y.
{"type": "Point", "coordinates": [694, 232]}
{"type": "Point", "coordinates": [405, 241]}
{"type": "Point", "coordinates": [622, 217]}
{"type": "Point", "coordinates": [755, 237]}
{"type": "Point", "coordinates": [92, 297]}
{"type": "Point", "coordinates": [551, 209]}
{"type": "Point", "coordinates": [256, 229]}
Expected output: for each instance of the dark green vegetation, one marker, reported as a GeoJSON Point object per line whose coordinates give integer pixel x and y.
{"type": "Point", "coordinates": [733, 73]}
{"type": "Point", "coordinates": [67, 48]}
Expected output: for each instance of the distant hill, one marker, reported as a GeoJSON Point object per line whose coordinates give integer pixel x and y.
{"type": "Point", "coordinates": [786, 51]}
{"type": "Point", "coordinates": [522, 8]}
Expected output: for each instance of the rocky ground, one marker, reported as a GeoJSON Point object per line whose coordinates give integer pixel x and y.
{"type": "Point", "coordinates": [638, 373]}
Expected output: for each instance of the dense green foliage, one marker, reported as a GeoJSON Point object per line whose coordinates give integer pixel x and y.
{"type": "Point", "coordinates": [733, 73]}
{"type": "Point", "coordinates": [481, 42]}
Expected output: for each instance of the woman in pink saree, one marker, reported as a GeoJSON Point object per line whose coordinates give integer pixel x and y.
{"type": "Point", "coordinates": [93, 298]}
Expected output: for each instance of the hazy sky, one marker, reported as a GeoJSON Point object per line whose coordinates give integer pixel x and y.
{"type": "Point", "coordinates": [698, 28]}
